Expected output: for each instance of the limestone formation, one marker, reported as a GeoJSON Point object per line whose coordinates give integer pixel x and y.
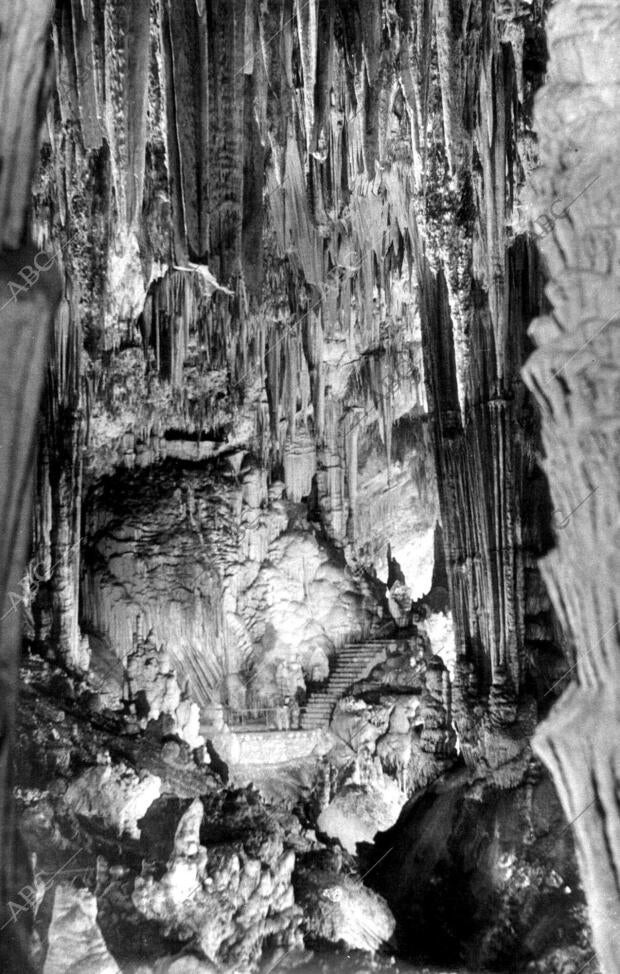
{"type": "Point", "coordinates": [574, 377]}
{"type": "Point", "coordinates": [223, 900]}
{"type": "Point", "coordinates": [154, 690]}
{"type": "Point", "coordinates": [75, 942]}
{"type": "Point", "coordinates": [308, 316]}
{"type": "Point", "coordinates": [114, 794]}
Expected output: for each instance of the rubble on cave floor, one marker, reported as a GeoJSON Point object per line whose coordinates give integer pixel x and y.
{"type": "Point", "coordinates": [152, 867]}
{"type": "Point", "coordinates": [186, 869]}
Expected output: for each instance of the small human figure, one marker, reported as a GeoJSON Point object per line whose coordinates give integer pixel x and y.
{"type": "Point", "coordinates": [286, 713]}
{"type": "Point", "coordinates": [281, 715]}
{"type": "Point", "coordinates": [293, 711]}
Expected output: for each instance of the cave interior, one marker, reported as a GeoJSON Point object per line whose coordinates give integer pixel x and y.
{"type": "Point", "coordinates": [310, 520]}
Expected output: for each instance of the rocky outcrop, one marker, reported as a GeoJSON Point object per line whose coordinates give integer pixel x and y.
{"type": "Point", "coordinates": [154, 691]}
{"type": "Point", "coordinates": [223, 900]}
{"type": "Point", "coordinates": [75, 944]}
{"type": "Point", "coordinates": [358, 811]}
{"type": "Point", "coordinates": [340, 910]}
{"type": "Point", "coordinates": [482, 876]}
{"type": "Point", "coordinates": [115, 795]}
{"type": "Point", "coordinates": [247, 600]}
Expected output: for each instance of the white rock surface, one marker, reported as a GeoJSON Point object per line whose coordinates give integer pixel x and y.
{"type": "Point", "coordinates": [227, 901]}
{"type": "Point", "coordinates": [115, 794]}
{"type": "Point", "coordinates": [357, 813]}
{"type": "Point", "coordinates": [339, 908]}
{"type": "Point", "coordinates": [151, 674]}
{"type": "Point", "coordinates": [76, 945]}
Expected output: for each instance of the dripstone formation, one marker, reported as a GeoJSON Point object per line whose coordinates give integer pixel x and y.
{"type": "Point", "coordinates": [308, 426]}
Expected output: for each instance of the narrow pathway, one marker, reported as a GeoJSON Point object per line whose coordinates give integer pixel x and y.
{"type": "Point", "coordinates": [353, 663]}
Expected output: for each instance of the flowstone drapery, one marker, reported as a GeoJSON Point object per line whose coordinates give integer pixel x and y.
{"type": "Point", "coordinates": [575, 378]}
{"type": "Point", "coordinates": [29, 293]}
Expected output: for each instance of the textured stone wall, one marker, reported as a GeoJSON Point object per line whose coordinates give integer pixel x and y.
{"type": "Point", "coordinates": [299, 236]}
{"type": "Point", "coordinates": [329, 271]}
{"type": "Point", "coordinates": [29, 293]}
{"type": "Point", "coordinates": [574, 376]}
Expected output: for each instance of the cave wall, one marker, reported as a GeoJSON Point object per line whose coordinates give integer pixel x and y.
{"type": "Point", "coordinates": [573, 375]}
{"type": "Point", "coordinates": [217, 317]}
{"type": "Point", "coordinates": [311, 256]}
{"type": "Point", "coordinates": [317, 257]}
{"type": "Point", "coordinates": [225, 573]}
{"type": "Point", "coordinates": [320, 256]}
{"type": "Point", "coordinates": [29, 293]}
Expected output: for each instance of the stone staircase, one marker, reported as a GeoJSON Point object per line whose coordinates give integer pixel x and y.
{"type": "Point", "coordinates": [353, 663]}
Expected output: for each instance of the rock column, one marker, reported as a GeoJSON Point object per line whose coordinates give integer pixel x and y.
{"type": "Point", "coordinates": [29, 293]}
{"type": "Point", "coordinates": [575, 377]}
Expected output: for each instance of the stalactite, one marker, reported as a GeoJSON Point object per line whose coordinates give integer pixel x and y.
{"type": "Point", "coordinates": [450, 72]}
{"type": "Point", "coordinates": [126, 86]}
{"type": "Point", "coordinates": [351, 435]}
{"type": "Point", "coordinates": [185, 58]}
{"type": "Point", "coordinates": [377, 217]}
{"type": "Point", "coordinates": [306, 16]}
{"type": "Point", "coordinates": [80, 71]}
{"type": "Point", "coordinates": [64, 446]}
{"type": "Point", "coordinates": [226, 33]}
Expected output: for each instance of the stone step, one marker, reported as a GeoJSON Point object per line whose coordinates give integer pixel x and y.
{"type": "Point", "coordinates": [373, 644]}
{"type": "Point", "coordinates": [357, 655]}
{"type": "Point", "coordinates": [362, 650]}
{"type": "Point", "coordinates": [355, 665]}
{"type": "Point", "coordinates": [350, 665]}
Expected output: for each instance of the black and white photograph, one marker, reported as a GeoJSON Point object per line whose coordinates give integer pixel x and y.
{"type": "Point", "coordinates": [309, 487]}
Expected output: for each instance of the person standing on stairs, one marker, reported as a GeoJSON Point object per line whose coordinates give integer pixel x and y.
{"type": "Point", "coordinates": [294, 713]}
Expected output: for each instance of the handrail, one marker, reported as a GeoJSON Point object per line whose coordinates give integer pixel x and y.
{"type": "Point", "coordinates": [237, 716]}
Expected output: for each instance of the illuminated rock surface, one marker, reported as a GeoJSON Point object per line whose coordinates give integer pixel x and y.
{"type": "Point", "coordinates": [300, 597]}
